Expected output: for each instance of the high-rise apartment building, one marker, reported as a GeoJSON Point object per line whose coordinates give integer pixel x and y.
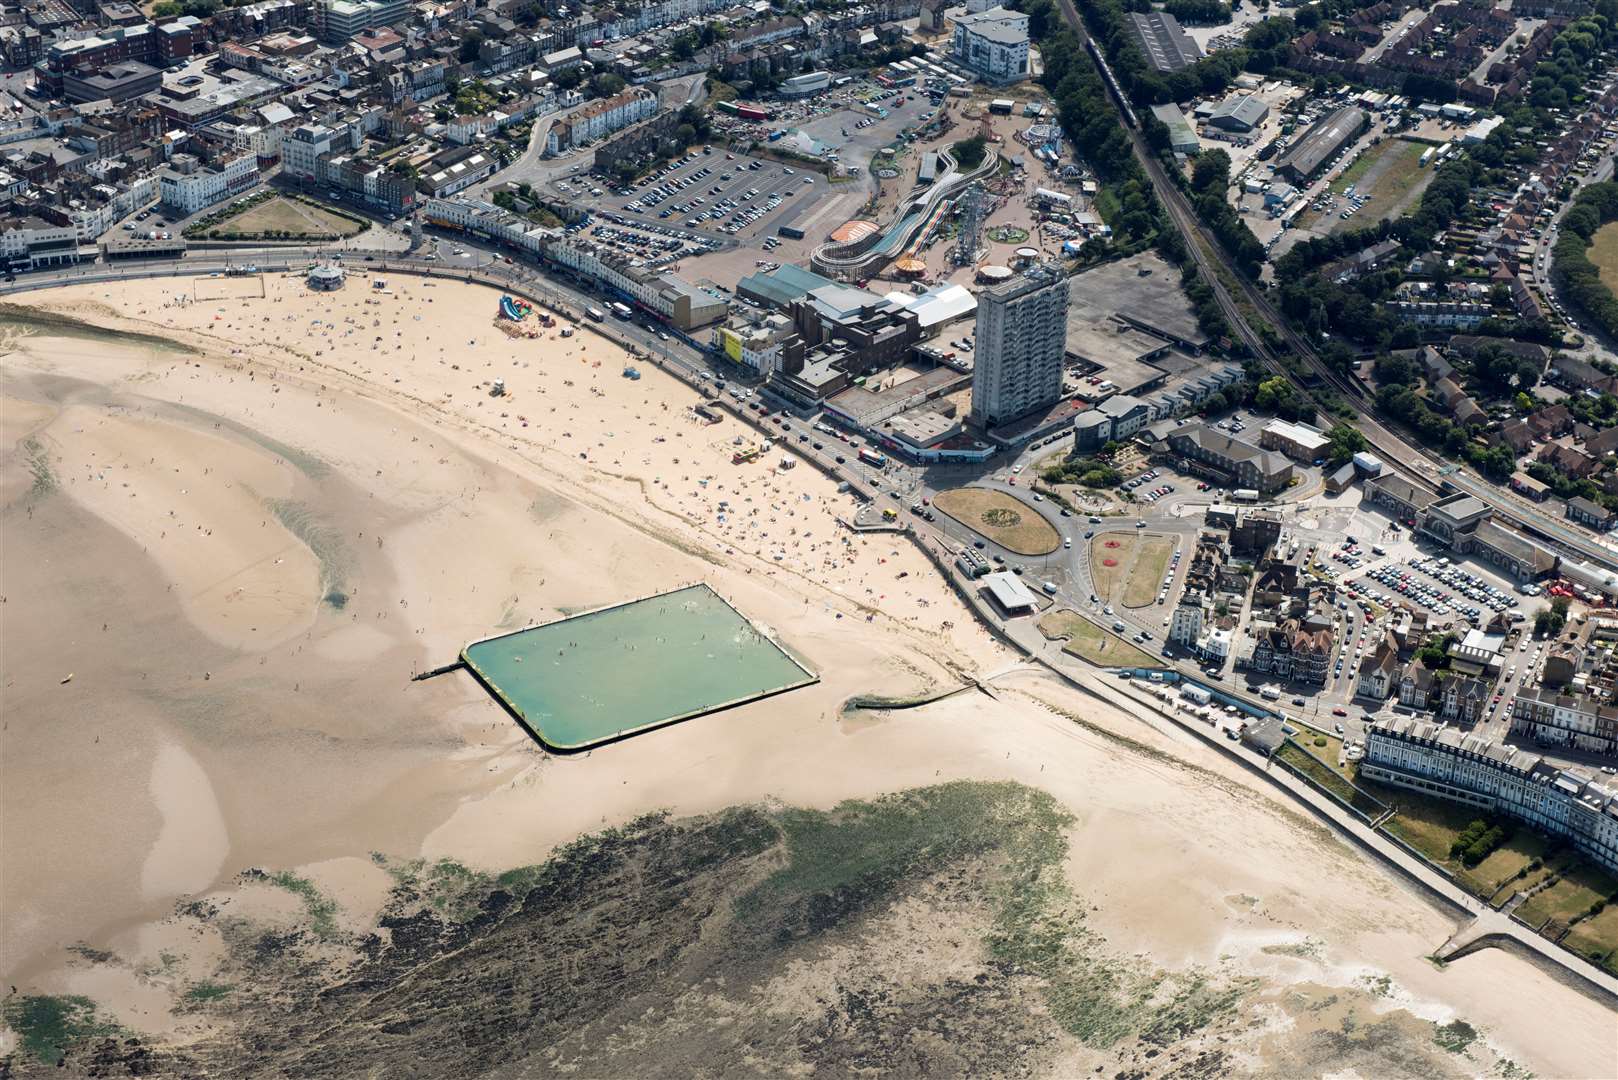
{"type": "Point", "coordinates": [1021, 340]}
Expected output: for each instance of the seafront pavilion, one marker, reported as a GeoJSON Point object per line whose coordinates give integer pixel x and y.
{"type": "Point", "coordinates": [617, 671]}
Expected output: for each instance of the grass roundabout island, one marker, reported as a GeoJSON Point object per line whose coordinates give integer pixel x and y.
{"type": "Point", "coordinates": [999, 517]}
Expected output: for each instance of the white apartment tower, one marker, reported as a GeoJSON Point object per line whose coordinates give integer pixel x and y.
{"type": "Point", "coordinates": [1021, 340]}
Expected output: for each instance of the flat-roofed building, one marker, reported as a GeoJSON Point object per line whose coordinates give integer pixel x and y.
{"type": "Point", "coordinates": [1021, 339]}
{"type": "Point", "coordinates": [993, 44]}
{"type": "Point", "coordinates": [1301, 442]}
{"type": "Point", "coordinates": [115, 82]}
{"type": "Point", "coordinates": [340, 20]}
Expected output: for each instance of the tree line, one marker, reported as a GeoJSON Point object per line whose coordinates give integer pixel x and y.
{"type": "Point", "coordinates": [1578, 278]}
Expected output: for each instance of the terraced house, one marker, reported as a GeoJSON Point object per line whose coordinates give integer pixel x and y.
{"type": "Point", "coordinates": [601, 118]}
{"type": "Point", "coordinates": [1580, 721]}
{"type": "Point", "coordinates": [1470, 769]}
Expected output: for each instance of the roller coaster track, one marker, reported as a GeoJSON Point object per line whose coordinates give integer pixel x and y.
{"type": "Point", "coordinates": [1415, 462]}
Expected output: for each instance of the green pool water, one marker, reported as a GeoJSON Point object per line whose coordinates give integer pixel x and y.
{"type": "Point", "coordinates": [590, 678]}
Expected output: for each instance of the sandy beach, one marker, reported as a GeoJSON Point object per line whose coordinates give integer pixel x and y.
{"type": "Point", "coordinates": [241, 549]}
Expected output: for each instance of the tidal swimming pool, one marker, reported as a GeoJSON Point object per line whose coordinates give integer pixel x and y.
{"type": "Point", "coordinates": [605, 674]}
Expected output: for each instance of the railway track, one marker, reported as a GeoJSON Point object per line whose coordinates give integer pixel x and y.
{"type": "Point", "coordinates": [1415, 462]}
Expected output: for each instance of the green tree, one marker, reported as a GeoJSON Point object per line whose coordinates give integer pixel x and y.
{"type": "Point", "coordinates": [1345, 443]}
{"type": "Point", "coordinates": [969, 152]}
{"type": "Point", "coordinates": [1211, 172]}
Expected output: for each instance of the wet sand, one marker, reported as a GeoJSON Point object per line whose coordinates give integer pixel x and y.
{"type": "Point", "coordinates": [242, 555]}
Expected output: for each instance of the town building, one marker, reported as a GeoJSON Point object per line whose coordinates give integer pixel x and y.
{"type": "Point", "coordinates": [31, 241]}
{"type": "Point", "coordinates": [207, 173]}
{"type": "Point", "coordinates": [1379, 670]}
{"type": "Point", "coordinates": [1021, 339]}
{"type": "Point", "coordinates": [1590, 513]}
{"type": "Point", "coordinates": [992, 44]}
{"type": "Point", "coordinates": [1230, 461]}
{"type": "Point", "coordinates": [1417, 684]}
{"type": "Point", "coordinates": [1188, 619]}
{"type": "Point", "coordinates": [677, 302]}
{"type": "Point", "coordinates": [341, 20]}
{"type": "Point", "coordinates": [1300, 442]}
{"type": "Point", "coordinates": [1469, 769]}
{"type": "Point", "coordinates": [1293, 648]}
{"type": "Point", "coordinates": [1114, 419]}
{"type": "Point", "coordinates": [456, 169]}
{"type": "Point", "coordinates": [1464, 699]}
{"type": "Point", "coordinates": [601, 118]}
{"type": "Point", "coordinates": [302, 147]}
{"type": "Point", "coordinates": [115, 83]}
{"type": "Point", "coordinates": [1578, 721]}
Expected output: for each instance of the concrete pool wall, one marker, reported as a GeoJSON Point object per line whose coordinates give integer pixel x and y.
{"type": "Point", "coordinates": [589, 679]}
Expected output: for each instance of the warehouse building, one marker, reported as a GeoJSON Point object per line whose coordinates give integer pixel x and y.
{"type": "Point", "coordinates": [1165, 44]}
{"type": "Point", "coordinates": [1240, 113]}
{"type": "Point", "coordinates": [1321, 143]}
{"type": "Point", "coordinates": [1182, 136]}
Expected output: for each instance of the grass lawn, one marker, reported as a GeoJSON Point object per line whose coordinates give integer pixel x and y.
{"type": "Point", "coordinates": [1089, 642]}
{"type": "Point", "coordinates": [1431, 825]}
{"type": "Point", "coordinates": [1354, 172]}
{"type": "Point", "coordinates": [1597, 939]}
{"type": "Point", "coordinates": [1402, 173]}
{"type": "Point", "coordinates": [1581, 886]}
{"type": "Point", "coordinates": [1105, 578]}
{"type": "Point", "coordinates": [1428, 825]}
{"type": "Point", "coordinates": [1328, 777]}
{"type": "Point", "coordinates": [1502, 865]}
{"type": "Point", "coordinates": [1329, 749]}
{"type": "Point", "coordinates": [285, 215]}
{"type": "Point", "coordinates": [1001, 518]}
{"type": "Point", "coordinates": [1146, 578]}
{"type": "Point", "coordinates": [1603, 252]}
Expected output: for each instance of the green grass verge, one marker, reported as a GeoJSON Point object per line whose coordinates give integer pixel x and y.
{"type": "Point", "coordinates": [1329, 778]}
{"type": "Point", "coordinates": [1089, 642]}
{"type": "Point", "coordinates": [1603, 251]}
{"type": "Point", "coordinates": [1579, 886]}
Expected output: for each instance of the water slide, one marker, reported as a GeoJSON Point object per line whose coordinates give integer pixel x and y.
{"type": "Point", "coordinates": [863, 258]}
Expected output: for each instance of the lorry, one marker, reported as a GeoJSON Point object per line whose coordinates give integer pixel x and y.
{"type": "Point", "coordinates": [1270, 693]}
